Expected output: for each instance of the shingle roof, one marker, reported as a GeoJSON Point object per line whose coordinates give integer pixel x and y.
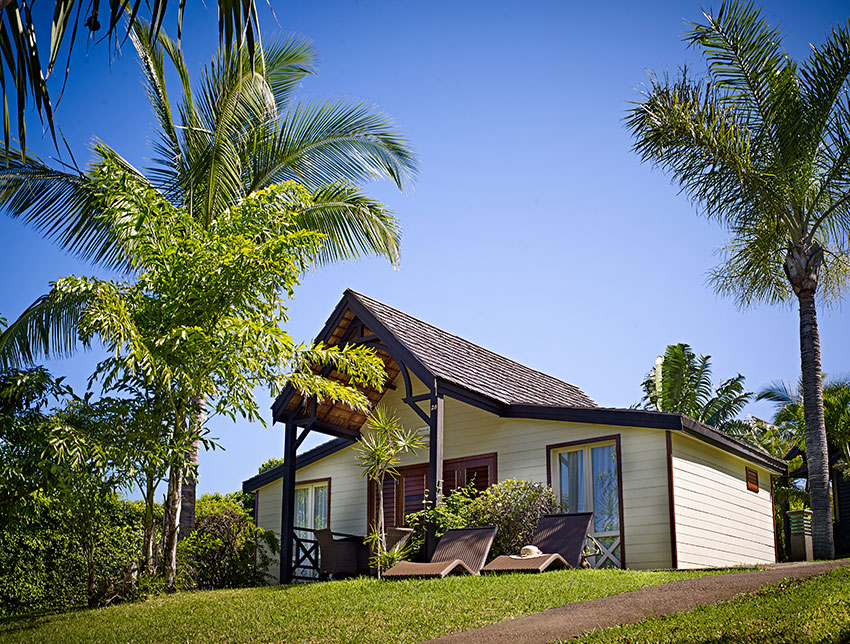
{"type": "Point", "coordinates": [475, 368]}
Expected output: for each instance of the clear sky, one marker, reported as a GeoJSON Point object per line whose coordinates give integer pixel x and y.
{"type": "Point", "coordinates": [532, 230]}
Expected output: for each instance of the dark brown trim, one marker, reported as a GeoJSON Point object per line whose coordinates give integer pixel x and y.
{"type": "Point", "coordinates": [302, 460]}
{"type": "Point", "coordinates": [651, 420]}
{"type": "Point", "coordinates": [617, 449]}
{"type": "Point", "coordinates": [773, 519]}
{"type": "Point", "coordinates": [620, 499]}
{"type": "Point", "coordinates": [674, 553]}
{"type": "Point", "coordinates": [324, 479]}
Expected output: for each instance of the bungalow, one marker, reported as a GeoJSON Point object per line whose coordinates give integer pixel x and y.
{"type": "Point", "coordinates": [665, 490]}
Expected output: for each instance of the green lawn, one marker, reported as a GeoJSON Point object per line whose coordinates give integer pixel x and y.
{"type": "Point", "coordinates": [793, 612]}
{"type": "Point", "coordinates": [361, 610]}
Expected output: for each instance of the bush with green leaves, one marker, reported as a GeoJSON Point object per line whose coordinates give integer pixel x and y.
{"type": "Point", "coordinates": [515, 508]}
{"type": "Point", "coordinates": [226, 550]}
{"type": "Point", "coordinates": [452, 512]}
{"type": "Point", "coordinates": [54, 558]}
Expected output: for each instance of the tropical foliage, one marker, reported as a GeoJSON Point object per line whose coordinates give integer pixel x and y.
{"type": "Point", "coordinates": [515, 508]}
{"type": "Point", "coordinates": [238, 26]}
{"type": "Point", "coordinates": [378, 452]}
{"type": "Point", "coordinates": [56, 556]}
{"type": "Point", "coordinates": [237, 133]}
{"type": "Point", "coordinates": [761, 144]}
{"type": "Point", "coordinates": [202, 319]}
{"type": "Point", "coordinates": [30, 437]}
{"type": "Point", "coordinates": [680, 382]}
{"type": "Point", "coordinates": [791, 418]}
{"type": "Point", "coordinates": [226, 549]}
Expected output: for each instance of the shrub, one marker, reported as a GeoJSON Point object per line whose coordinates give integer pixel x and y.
{"type": "Point", "coordinates": [453, 512]}
{"type": "Point", "coordinates": [226, 550]}
{"type": "Point", "coordinates": [515, 508]}
{"type": "Point", "coordinates": [55, 558]}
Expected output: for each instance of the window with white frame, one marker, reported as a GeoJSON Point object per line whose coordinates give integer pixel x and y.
{"type": "Point", "coordinates": [311, 505]}
{"type": "Point", "coordinates": [311, 513]}
{"type": "Point", "coordinates": [585, 478]}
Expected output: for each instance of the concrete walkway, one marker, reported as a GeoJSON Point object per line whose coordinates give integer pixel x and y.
{"type": "Point", "coordinates": [627, 608]}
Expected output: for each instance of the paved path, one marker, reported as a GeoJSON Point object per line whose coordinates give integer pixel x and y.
{"type": "Point", "coordinates": [627, 608]}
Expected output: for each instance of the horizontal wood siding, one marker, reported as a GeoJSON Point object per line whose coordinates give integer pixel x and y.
{"type": "Point", "coordinates": [719, 522]}
{"type": "Point", "coordinates": [268, 518]}
{"type": "Point", "coordinates": [520, 446]}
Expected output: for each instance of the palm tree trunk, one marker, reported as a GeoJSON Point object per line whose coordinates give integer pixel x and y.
{"type": "Point", "coordinates": [817, 456]}
{"type": "Point", "coordinates": [188, 493]}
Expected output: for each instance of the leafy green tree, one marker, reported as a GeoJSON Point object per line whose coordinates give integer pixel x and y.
{"type": "Point", "coordinates": [31, 437]}
{"type": "Point", "coordinates": [240, 131]}
{"type": "Point", "coordinates": [680, 382]}
{"type": "Point", "coordinates": [269, 464]}
{"type": "Point", "coordinates": [378, 452]}
{"type": "Point", "coordinates": [760, 144]}
{"type": "Point", "coordinates": [202, 319]}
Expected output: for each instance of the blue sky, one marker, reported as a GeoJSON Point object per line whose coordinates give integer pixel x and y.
{"type": "Point", "coordinates": [532, 230]}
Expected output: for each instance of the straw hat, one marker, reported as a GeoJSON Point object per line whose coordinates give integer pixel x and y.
{"type": "Point", "coordinates": [530, 551]}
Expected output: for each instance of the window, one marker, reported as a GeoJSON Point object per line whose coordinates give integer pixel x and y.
{"type": "Point", "coordinates": [585, 478]}
{"type": "Point", "coordinates": [752, 480]}
{"type": "Point", "coordinates": [312, 505]}
{"type": "Point", "coordinates": [312, 508]}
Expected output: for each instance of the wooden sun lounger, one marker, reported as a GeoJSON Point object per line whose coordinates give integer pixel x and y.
{"type": "Point", "coordinates": [560, 537]}
{"type": "Point", "coordinates": [461, 551]}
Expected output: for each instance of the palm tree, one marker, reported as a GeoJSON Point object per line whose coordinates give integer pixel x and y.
{"type": "Point", "coordinates": [378, 453]}
{"type": "Point", "coordinates": [680, 382]}
{"type": "Point", "coordinates": [241, 130]}
{"type": "Point", "coordinates": [761, 144]}
{"type": "Point", "coordinates": [836, 404]}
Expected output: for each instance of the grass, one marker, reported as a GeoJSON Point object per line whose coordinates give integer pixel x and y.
{"type": "Point", "coordinates": [359, 610]}
{"type": "Point", "coordinates": [810, 611]}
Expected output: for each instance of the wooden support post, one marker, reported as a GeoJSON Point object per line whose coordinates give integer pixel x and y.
{"type": "Point", "coordinates": [435, 463]}
{"type": "Point", "coordinates": [287, 509]}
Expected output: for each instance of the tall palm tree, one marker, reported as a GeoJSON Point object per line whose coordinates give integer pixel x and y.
{"type": "Point", "coordinates": [680, 382]}
{"type": "Point", "coordinates": [239, 130]}
{"type": "Point", "coordinates": [761, 144]}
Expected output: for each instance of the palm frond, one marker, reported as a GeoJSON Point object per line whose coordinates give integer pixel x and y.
{"type": "Point", "coordinates": [62, 206]}
{"type": "Point", "coordinates": [353, 225]}
{"type": "Point", "coordinates": [238, 29]}
{"type": "Point", "coordinates": [323, 143]}
{"type": "Point", "coordinates": [744, 57]}
{"type": "Point", "coordinates": [49, 328]}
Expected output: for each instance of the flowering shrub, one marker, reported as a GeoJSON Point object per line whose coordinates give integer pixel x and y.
{"type": "Point", "coordinates": [515, 508]}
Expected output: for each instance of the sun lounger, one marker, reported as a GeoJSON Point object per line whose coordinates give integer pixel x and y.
{"type": "Point", "coordinates": [561, 539]}
{"type": "Point", "coordinates": [460, 551]}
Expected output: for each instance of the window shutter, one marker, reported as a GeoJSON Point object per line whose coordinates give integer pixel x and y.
{"type": "Point", "coordinates": [752, 480]}
{"type": "Point", "coordinates": [479, 477]}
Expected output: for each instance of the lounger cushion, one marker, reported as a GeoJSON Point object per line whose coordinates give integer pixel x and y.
{"type": "Point", "coordinates": [434, 569]}
{"type": "Point", "coordinates": [544, 562]}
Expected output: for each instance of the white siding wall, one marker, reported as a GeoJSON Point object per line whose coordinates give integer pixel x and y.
{"type": "Point", "coordinates": [521, 449]}
{"type": "Point", "coordinates": [718, 521]}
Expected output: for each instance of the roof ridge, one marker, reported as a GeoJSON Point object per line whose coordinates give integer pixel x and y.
{"type": "Point", "coordinates": [462, 339]}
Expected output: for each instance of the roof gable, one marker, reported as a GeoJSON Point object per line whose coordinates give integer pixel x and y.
{"type": "Point", "coordinates": [479, 370]}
